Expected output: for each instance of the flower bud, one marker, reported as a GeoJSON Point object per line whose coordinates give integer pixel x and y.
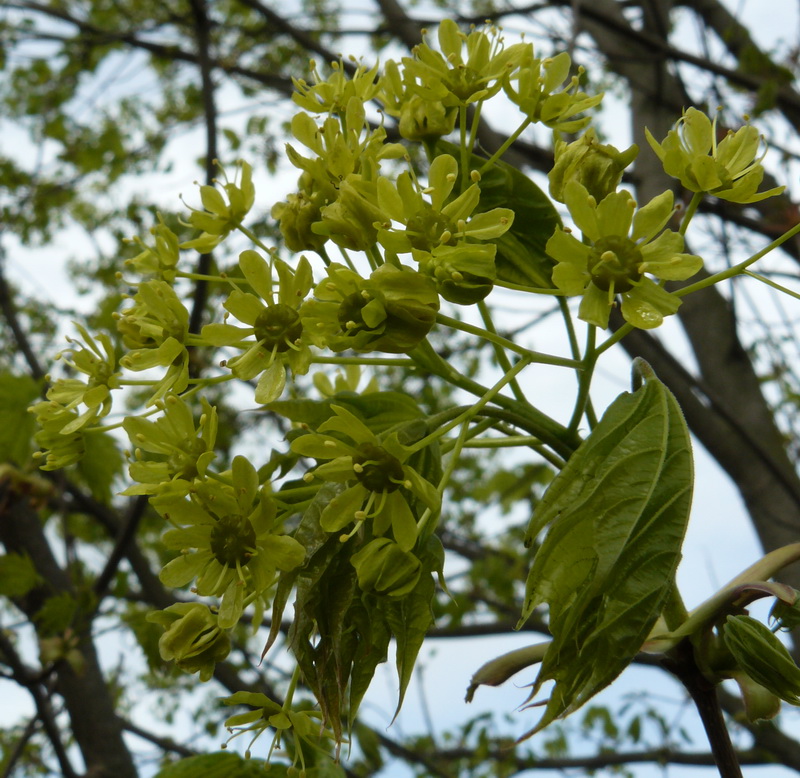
{"type": "Point", "coordinates": [759, 703]}
{"type": "Point", "coordinates": [192, 638]}
{"type": "Point", "coordinates": [597, 166]}
{"type": "Point", "coordinates": [463, 274]}
{"type": "Point", "coordinates": [763, 657]}
{"type": "Point", "coordinates": [349, 221]}
{"type": "Point", "coordinates": [422, 120]}
{"type": "Point", "coordinates": [383, 567]}
{"type": "Point", "coordinates": [296, 215]}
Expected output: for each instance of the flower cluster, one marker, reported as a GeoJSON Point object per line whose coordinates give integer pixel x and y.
{"type": "Point", "coordinates": [338, 187]}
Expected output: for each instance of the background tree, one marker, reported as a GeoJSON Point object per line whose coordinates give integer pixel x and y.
{"type": "Point", "coordinates": [85, 153]}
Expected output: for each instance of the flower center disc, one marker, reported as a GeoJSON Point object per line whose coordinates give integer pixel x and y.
{"type": "Point", "coordinates": [278, 326]}
{"type": "Point", "coordinates": [183, 463]}
{"type": "Point", "coordinates": [615, 260]}
{"type": "Point", "coordinates": [381, 472]}
{"type": "Point", "coordinates": [233, 540]}
{"type": "Point", "coordinates": [349, 313]}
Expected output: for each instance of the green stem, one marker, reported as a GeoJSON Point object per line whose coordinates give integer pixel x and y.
{"type": "Point", "coordinates": [220, 379]}
{"type": "Point", "coordinates": [287, 702]}
{"type": "Point", "coordinates": [476, 121]}
{"type": "Point", "coordinates": [470, 413]}
{"type": "Point", "coordinates": [773, 284]}
{"type": "Point", "coordinates": [476, 429]}
{"type": "Point", "coordinates": [446, 475]}
{"type": "Point", "coordinates": [384, 361]}
{"type": "Point", "coordinates": [615, 338]}
{"type": "Point", "coordinates": [502, 358]}
{"type": "Point", "coordinates": [533, 356]}
{"type": "Point", "coordinates": [570, 327]}
{"type": "Point", "coordinates": [507, 442]}
{"type": "Point", "coordinates": [375, 258]}
{"type": "Point", "coordinates": [203, 277]}
{"type": "Point", "coordinates": [252, 236]}
{"type": "Point", "coordinates": [741, 267]}
{"type": "Point", "coordinates": [697, 198]}
{"type": "Point", "coordinates": [526, 417]}
{"type": "Point", "coordinates": [584, 379]}
{"type": "Point", "coordinates": [530, 289]}
{"type": "Point", "coordinates": [464, 163]}
{"type": "Point", "coordinates": [506, 145]}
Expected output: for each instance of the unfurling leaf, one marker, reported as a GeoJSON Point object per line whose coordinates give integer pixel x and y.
{"type": "Point", "coordinates": [617, 515]}
{"type": "Point", "coordinates": [763, 657]}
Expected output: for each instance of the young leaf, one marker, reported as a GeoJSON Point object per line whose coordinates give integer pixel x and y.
{"type": "Point", "coordinates": [17, 575]}
{"type": "Point", "coordinates": [617, 514]}
{"type": "Point", "coordinates": [763, 657]}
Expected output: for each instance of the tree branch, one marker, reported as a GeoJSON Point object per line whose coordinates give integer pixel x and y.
{"type": "Point", "coordinates": [32, 681]}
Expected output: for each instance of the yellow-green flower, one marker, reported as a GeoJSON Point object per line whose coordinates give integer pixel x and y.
{"type": "Point", "coordinates": [171, 453]}
{"type": "Point", "coordinates": [458, 80]}
{"type": "Point", "coordinates": [729, 169]}
{"type": "Point", "coordinates": [220, 217]}
{"type": "Point", "coordinates": [192, 638]}
{"type": "Point", "coordinates": [156, 328]}
{"type": "Point", "coordinates": [228, 542]}
{"type": "Point", "coordinates": [332, 94]}
{"type": "Point", "coordinates": [445, 238]}
{"type": "Point", "coordinates": [278, 337]}
{"type": "Point", "coordinates": [541, 95]}
{"type": "Point", "coordinates": [378, 483]}
{"type": "Point", "coordinates": [338, 185]}
{"type": "Point", "coordinates": [419, 118]}
{"type": "Point", "coordinates": [611, 262]}
{"type": "Point", "coordinates": [391, 311]}
{"type": "Point", "coordinates": [596, 165]}
{"type": "Point", "coordinates": [97, 361]}
{"type": "Point", "coordinates": [161, 260]}
{"type": "Point", "coordinates": [59, 450]}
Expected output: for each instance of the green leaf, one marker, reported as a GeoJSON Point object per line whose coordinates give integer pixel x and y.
{"type": "Point", "coordinates": [617, 514]}
{"type": "Point", "coordinates": [373, 636]}
{"type": "Point", "coordinates": [100, 465]}
{"type": "Point", "coordinates": [16, 424]}
{"type": "Point", "coordinates": [310, 412]}
{"type": "Point", "coordinates": [220, 765]}
{"type": "Point", "coordinates": [410, 619]}
{"type": "Point", "coordinates": [319, 547]}
{"type": "Point", "coordinates": [17, 575]}
{"type": "Point", "coordinates": [56, 614]}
